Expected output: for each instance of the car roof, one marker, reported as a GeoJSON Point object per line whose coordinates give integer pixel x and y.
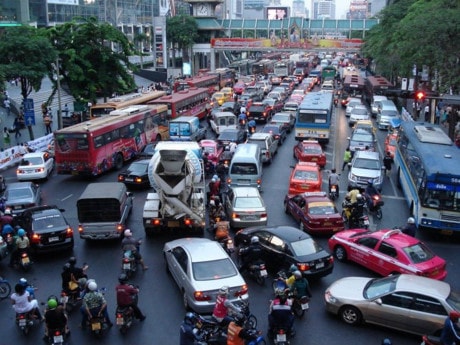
{"type": "Point", "coordinates": [200, 249]}
{"type": "Point", "coordinates": [259, 136]}
{"type": "Point", "coordinates": [245, 191]}
{"type": "Point", "coordinates": [427, 286]}
{"type": "Point", "coordinates": [286, 232]}
{"type": "Point", "coordinates": [15, 185]}
{"type": "Point", "coordinates": [396, 237]}
{"type": "Point", "coordinates": [367, 155]}
{"type": "Point", "coordinates": [34, 154]}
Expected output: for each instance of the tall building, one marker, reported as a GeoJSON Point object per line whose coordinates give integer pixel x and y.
{"type": "Point", "coordinates": [323, 9]}
{"type": "Point", "coordinates": [359, 9]}
{"type": "Point", "coordinates": [298, 9]}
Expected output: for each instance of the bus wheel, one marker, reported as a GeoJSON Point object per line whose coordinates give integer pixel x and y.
{"type": "Point", "coordinates": [118, 161]}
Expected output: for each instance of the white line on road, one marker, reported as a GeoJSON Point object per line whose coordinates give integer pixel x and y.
{"type": "Point", "coordinates": [67, 197]}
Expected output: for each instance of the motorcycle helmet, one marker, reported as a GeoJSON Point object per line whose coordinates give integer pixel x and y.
{"type": "Point", "coordinates": [254, 239]}
{"type": "Point", "coordinates": [213, 180]}
{"type": "Point", "coordinates": [72, 260]}
{"type": "Point", "coordinates": [223, 290]}
{"type": "Point", "coordinates": [386, 341]}
{"type": "Point", "coordinates": [92, 286]}
{"type": "Point", "coordinates": [293, 268]}
{"type": "Point", "coordinates": [52, 303]}
{"type": "Point", "coordinates": [66, 267]}
{"type": "Point", "coordinates": [128, 233]}
{"type": "Point", "coordinates": [359, 196]}
{"type": "Point", "coordinates": [454, 316]}
{"type": "Point", "coordinates": [297, 274]}
{"type": "Point", "coordinates": [122, 278]}
{"type": "Point", "coordinates": [410, 220]}
{"type": "Point", "coordinates": [23, 281]}
{"type": "Point", "coordinates": [21, 232]}
{"type": "Point", "coordinates": [190, 318]}
{"type": "Point", "coordinates": [216, 177]}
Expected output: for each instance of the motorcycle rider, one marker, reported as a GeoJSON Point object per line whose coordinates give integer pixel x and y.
{"type": "Point", "coordinates": [450, 334]}
{"type": "Point", "coordinates": [242, 119]}
{"type": "Point", "coordinates": [72, 273]}
{"type": "Point", "coordinates": [126, 294]}
{"type": "Point", "coordinates": [94, 305]}
{"type": "Point", "coordinates": [29, 288]}
{"type": "Point", "coordinates": [386, 341]}
{"type": "Point", "coordinates": [55, 319]}
{"type": "Point", "coordinates": [187, 334]}
{"type": "Point", "coordinates": [22, 246]}
{"type": "Point", "coordinates": [220, 312]}
{"type": "Point", "coordinates": [250, 254]}
{"type": "Point", "coordinates": [410, 228]}
{"type": "Point", "coordinates": [132, 244]}
{"type": "Point", "coordinates": [369, 192]}
{"type": "Point", "coordinates": [334, 180]}
{"type": "Point", "coordinates": [6, 218]}
{"type": "Point", "coordinates": [353, 191]}
{"type": "Point", "coordinates": [237, 334]}
{"type": "Point", "coordinates": [280, 314]}
{"type": "Point", "coordinates": [300, 285]}
{"type": "Point", "coordinates": [252, 126]}
{"type": "Point", "coordinates": [23, 303]}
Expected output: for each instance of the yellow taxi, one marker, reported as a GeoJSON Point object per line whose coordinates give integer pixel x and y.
{"type": "Point", "coordinates": [228, 92]}
{"type": "Point", "coordinates": [217, 99]}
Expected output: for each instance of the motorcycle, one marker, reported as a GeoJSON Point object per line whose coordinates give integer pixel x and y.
{"type": "Point", "coordinates": [333, 193]}
{"type": "Point", "coordinates": [353, 217]}
{"type": "Point", "coordinates": [258, 271]}
{"type": "Point", "coordinates": [209, 169]}
{"type": "Point", "coordinates": [56, 336]}
{"type": "Point", "coordinates": [279, 283]}
{"type": "Point", "coordinates": [124, 317]}
{"type": "Point", "coordinates": [25, 321]}
{"type": "Point", "coordinates": [300, 304]}
{"type": "Point", "coordinates": [71, 299]}
{"type": "Point", "coordinates": [128, 263]}
{"type": "Point", "coordinates": [5, 288]}
{"type": "Point", "coordinates": [222, 235]}
{"type": "Point", "coordinates": [250, 319]}
{"type": "Point", "coordinates": [375, 205]}
{"type": "Point", "coordinates": [98, 326]}
{"type": "Point", "coordinates": [24, 261]}
{"type": "Point", "coordinates": [430, 340]}
{"type": "Point", "coordinates": [281, 336]}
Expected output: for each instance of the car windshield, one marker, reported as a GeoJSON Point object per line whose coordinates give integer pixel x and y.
{"type": "Point", "coordinates": [138, 168]}
{"type": "Point", "coordinates": [19, 193]}
{"type": "Point", "coordinates": [212, 270]}
{"type": "Point", "coordinates": [48, 222]}
{"type": "Point", "coordinates": [248, 202]}
{"type": "Point", "coordinates": [371, 164]}
{"type": "Point", "coordinates": [31, 161]}
{"type": "Point", "coordinates": [379, 286]}
{"type": "Point", "coordinates": [359, 111]}
{"type": "Point", "coordinates": [305, 175]}
{"type": "Point", "coordinates": [306, 246]}
{"type": "Point", "coordinates": [312, 150]}
{"type": "Point", "coordinates": [418, 253]}
{"type": "Point", "coordinates": [269, 101]}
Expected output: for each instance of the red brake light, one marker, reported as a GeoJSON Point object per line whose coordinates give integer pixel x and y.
{"type": "Point", "coordinates": [69, 232]}
{"type": "Point", "coordinates": [80, 228]}
{"type": "Point", "coordinates": [242, 291]}
{"type": "Point", "coordinates": [303, 267]}
{"type": "Point", "coordinates": [35, 238]}
{"type": "Point", "coordinates": [201, 296]}
{"type": "Point", "coordinates": [187, 221]}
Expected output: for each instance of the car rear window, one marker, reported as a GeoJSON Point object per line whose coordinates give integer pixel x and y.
{"type": "Point", "coordinates": [212, 270]}
{"type": "Point", "coordinates": [305, 247]}
{"type": "Point", "coordinates": [31, 161]}
{"type": "Point", "coordinates": [244, 169]}
{"type": "Point", "coordinates": [366, 164]}
{"type": "Point", "coordinates": [418, 253]}
{"type": "Point", "coordinates": [306, 175]}
{"type": "Point", "coordinates": [48, 222]}
{"type": "Point", "coordinates": [247, 202]}
{"type": "Point", "coordinates": [98, 210]}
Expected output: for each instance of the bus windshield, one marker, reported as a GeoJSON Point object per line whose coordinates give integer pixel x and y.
{"type": "Point", "coordinates": [312, 117]}
{"type": "Point", "coordinates": [442, 199]}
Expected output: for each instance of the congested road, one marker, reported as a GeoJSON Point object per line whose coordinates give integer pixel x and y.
{"type": "Point", "coordinates": [160, 299]}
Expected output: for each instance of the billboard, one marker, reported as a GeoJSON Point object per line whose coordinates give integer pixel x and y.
{"type": "Point", "coordinates": [277, 13]}
{"type": "Point", "coordinates": [63, 2]}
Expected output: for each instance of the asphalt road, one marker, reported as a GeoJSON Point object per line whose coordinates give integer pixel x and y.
{"type": "Point", "coordinates": [160, 299]}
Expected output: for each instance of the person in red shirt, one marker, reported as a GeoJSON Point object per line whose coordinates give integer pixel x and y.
{"type": "Point", "coordinates": [127, 296]}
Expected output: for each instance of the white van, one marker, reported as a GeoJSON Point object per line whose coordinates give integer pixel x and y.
{"type": "Point", "coordinates": [377, 103]}
{"type": "Point", "coordinates": [223, 120]}
{"type": "Point", "coordinates": [245, 167]}
{"type": "Point", "coordinates": [387, 112]}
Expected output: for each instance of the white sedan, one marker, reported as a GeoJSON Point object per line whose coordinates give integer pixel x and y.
{"type": "Point", "coordinates": [35, 166]}
{"type": "Point", "coordinates": [200, 267]}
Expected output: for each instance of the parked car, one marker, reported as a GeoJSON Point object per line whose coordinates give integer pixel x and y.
{"type": "Point", "coordinates": [136, 175]}
{"type": "Point", "coordinates": [200, 267]}
{"type": "Point", "coordinates": [35, 166]}
{"type": "Point", "coordinates": [286, 119]}
{"type": "Point", "coordinates": [277, 130]}
{"type": "Point", "coordinates": [310, 151]}
{"type": "Point", "coordinates": [305, 177]}
{"type": "Point", "coordinates": [387, 252]}
{"type": "Point", "coordinates": [404, 302]}
{"type": "Point", "coordinates": [245, 207]}
{"type": "Point", "coordinates": [21, 195]}
{"type": "Point", "coordinates": [47, 228]}
{"type": "Point", "coordinates": [315, 213]}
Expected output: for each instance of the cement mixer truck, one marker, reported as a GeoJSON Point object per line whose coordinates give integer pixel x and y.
{"type": "Point", "coordinates": [177, 175]}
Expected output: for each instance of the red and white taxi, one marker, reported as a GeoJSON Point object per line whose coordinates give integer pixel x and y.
{"type": "Point", "coordinates": [315, 213]}
{"type": "Point", "coordinates": [310, 151]}
{"type": "Point", "coordinates": [387, 252]}
{"type": "Point", "coordinates": [305, 177]}
{"type": "Point", "coordinates": [214, 149]}
{"type": "Point", "coordinates": [391, 141]}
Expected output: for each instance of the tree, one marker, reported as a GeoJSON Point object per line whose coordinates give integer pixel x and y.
{"type": "Point", "coordinates": [89, 64]}
{"type": "Point", "coordinates": [140, 39]}
{"type": "Point", "coordinates": [181, 31]}
{"type": "Point", "coordinates": [27, 54]}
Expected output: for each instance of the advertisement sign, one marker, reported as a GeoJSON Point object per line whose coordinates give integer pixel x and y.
{"type": "Point", "coordinates": [277, 13]}
{"type": "Point", "coordinates": [63, 2]}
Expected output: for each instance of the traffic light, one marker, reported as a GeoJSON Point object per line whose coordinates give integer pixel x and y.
{"type": "Point", "coordinates": [420, 96]}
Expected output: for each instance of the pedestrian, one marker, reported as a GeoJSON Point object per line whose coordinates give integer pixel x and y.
{"type": "Point", "coordinates": [17, 128]}
{"type": "Point", "coordinates": [7, 105]}
{"type": "Point", "coordinates": [346, 158]}
{"type": "Point", "coordinates": [6, 137]}
{"type": "Point", "coordinates": [47, 122]}
{"type": "Point", "coordinates": [427, 113]}
{"type": "Point", "coordinates": [387, 163]}
{"type": "Point", "coordinates": [66, 110]}
{"type": "Point", "coordinates": [438, 116]}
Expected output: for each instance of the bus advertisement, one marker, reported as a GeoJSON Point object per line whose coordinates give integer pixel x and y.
{"type": "Point", "coordinates": [189, 102]}
{"type": "Point", "coordinates": [209, 81]}
{"type": "Point", "coordinates": [313, 118]}
{"type": "Point", "coordinates": [124, 101]}
{"type": "Point", "coordinates": [263, 67]}
{"type": "Point", "coordinates": [376, 85]}
{"type": "Point", "coordinates": [283, 68]}
{"type": "Point", "coordinates": [93, 147]}
{"type": "Point", "coordinates": [427, 165]}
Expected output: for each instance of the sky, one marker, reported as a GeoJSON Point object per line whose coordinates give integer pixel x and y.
{"type": "Point", "coordinates": [341, 7]}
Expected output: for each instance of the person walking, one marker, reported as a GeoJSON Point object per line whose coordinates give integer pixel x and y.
{"type": "Point", "coordinates": [427, 113]}
{"type": "Point", "coordinates": [7, 105]}
{"type": "Point", "coordinates": [6, 137]}
{"type": "Point", "coordinates": [346, 158]}
{"type": "Point", "coordinates": [47, 122]}
{"type": "Point", "coordinates": [387, 163]}
{"type": "Point", "coordinates": [17, 128]}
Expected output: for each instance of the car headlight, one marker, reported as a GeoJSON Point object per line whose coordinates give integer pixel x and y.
{"type": "Point", "coordinates": [353, 177]}
{"type": "Point", "coordinates": [329, 297]}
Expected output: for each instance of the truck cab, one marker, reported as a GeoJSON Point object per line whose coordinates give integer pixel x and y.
{"type": "Point", "coordinates": [186, 128]}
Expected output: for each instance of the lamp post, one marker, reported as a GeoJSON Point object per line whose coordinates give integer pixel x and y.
{"type": "Point", "coordinates": [58, 83]}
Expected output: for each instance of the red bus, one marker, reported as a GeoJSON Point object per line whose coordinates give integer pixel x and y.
{"type": "Point", "coordinates": [263, 67]}
{"type": "Point", "coordinates": [93, 147]}
{"type": "Point", "coordinates": [189, 102]}
{"type": "Point", "coordinates": [209, 81]}
{"type": "Point", "coordinates": [376, 85]}
{"type": "Point", "coordinates": [124, 101]}
{"type": "Point", "coordinates": [354, 85]}
{"type": "Point", "coordinates": [226, 76]}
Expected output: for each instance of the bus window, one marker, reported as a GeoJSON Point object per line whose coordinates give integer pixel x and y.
{"type": "Point", "coordinates": [98, 141]}
{"type": "Point", "coordinates": [82, 144]}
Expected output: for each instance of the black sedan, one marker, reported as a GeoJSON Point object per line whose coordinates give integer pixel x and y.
{"type": "Point", "coordinates": [285, 245]}
{"type": "Point", "coordinates": [136, 174]}
{"type": "Point", "coordinates": [277, 130]}
{"type": "Point", "coordinates": [227, 136]}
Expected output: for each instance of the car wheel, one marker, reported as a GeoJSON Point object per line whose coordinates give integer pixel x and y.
{"type": "Point", "coordinates": [185, 301]}
{"type": "Point", "coordinates": [340, 253]}
{"type": "Point", "coordinates": [350, 315]}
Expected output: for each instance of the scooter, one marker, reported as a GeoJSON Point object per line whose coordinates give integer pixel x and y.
{"type": "Point", "coordinates": [56, 336]}
{"type": "Point", "coordinates": [281, 336]}
{"type": "Point", "coordinates": [376, 206]}
{"type": "Point", "coordinates": [25, 321]}
{"type": "Point", "coordinates": [71, 299]}
{"type": "Point", "coordinates": [24, 261]}
{"type": "Point", "coordinates": [333, 193]}
{"type": "Point", "coordinates": [124, 317]}
{"type": "Point", "coordinates": [128, 263]}
{"type": "Point", "coordinates": [300, 304]}
{"type": "Point", "coordinates": [258, 271]}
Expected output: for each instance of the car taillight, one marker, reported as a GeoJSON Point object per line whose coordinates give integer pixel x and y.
{"type": "Point", "coordinates": [35, 238]}
{"type": "Point", "coordinates": [120, 227]}
{"type": "Point", "coordinates": [156, 222]}
{"type": "Point", "coordinates": [330, 259]}
{"type": "Point", "coordinates": [303, 267]}
{"type": "Point", "coordinates": [80, 228]}
{"type": "Point", "coordinates": [121, 178]}
{"type": "Point", "coordinates": [235, 215]}
{"type": "Point", "coordinates": [69, 232]}
{"type": "Point", "coordinates": [242, 291]}
{"type": "Point", "coordinates": [259, 181]}
{"type": "Point", "coordinates": [187, 221]}
{"type": "Point", "coordinates": [201, 296]}
{"type": "Point", "coordinates": [229, 180]}
{"type": "Point", "coordinates": [263, 215]}
{"type": "Point", "coordinates": [119, 315]}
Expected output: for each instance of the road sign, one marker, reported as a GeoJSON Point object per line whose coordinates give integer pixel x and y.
{"type": "Point", "coordinates": [29, 117]}
{"type": "Point", "coordinates": [28, 104]}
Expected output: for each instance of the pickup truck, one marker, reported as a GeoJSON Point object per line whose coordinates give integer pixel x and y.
{"type": "Point", "coordinates": [259, 111]}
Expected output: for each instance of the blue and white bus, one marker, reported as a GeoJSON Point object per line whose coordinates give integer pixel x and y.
{"type": "Point", "coordinates": [313, 120]}
{"type": "Point", "coordinates": [428, 172]}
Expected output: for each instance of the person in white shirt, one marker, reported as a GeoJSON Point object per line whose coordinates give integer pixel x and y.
{"type": "Point", "coordinates": [23, 302]}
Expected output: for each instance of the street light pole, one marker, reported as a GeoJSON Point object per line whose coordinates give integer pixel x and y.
{"type": "Point", "coordinates": [58, 80]}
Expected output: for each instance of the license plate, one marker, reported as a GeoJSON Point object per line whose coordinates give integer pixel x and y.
{"type": "Point", "coordinates": [126, 266]}
{"type": "Point", "coordinates": [333, 189]}
{"type": "Point", "coordinates": [53, 239]}
{"type": "Point", "coordinates": [314, 159]}
{"type": "Point", "coordinates": [25, 260]}
{"type": "Point", "coordinates": [96, 326]}
{"type": "Point", "coordinates": [304, 186]}
{"type": "Point", "coordinates": [319, 265]}
{"type": "Point", "coordinates": [305, 306]}
{"type": "Point", "coordinates": [327, 223]}
{"type": "Point", "coordinates": [250, 217]}
{"type": "Point", "coordinates": [22, 322]}
{"type": "Point", "coordinates": [120, 321]}
{"type": "Point", "coordinates": [129, 179]}
{"type": "Point", "coordinates": [366, 222]}
{"type": "Point", "coordinates": [173, 224]}
{"type": "Point", "coordinates": [281, 337]}
{"type": "Point", "coordinates": [263, 273]}
{"type": "Point", "coordinates": [447, 232]}
{"type": "Point", "coordinates": [58, 339]}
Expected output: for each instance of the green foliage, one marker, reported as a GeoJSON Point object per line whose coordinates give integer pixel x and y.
{"type": "Point", "coordinates": [181, 30]}
{"type": "Point", "coordinates": [25, 53]}
{"type": "Point", "coordinates": [89, 66]}
{"type": "Point", "coordinates": [421, 32]}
